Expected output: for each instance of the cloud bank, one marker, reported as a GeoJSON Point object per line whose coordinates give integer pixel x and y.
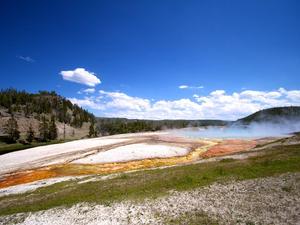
{"type": "Point", "coordinates": [81, 76]}
{"type": "Point", "coordinates": [216, 105]}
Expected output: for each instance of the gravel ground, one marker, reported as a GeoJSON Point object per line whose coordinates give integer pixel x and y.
{"type": "Point", "coordinates": [273, 200]}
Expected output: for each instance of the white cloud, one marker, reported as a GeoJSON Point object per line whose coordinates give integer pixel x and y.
{"type": "Point", "coordinates": [216, 105]}
{"type": "Point", "coordinates": [26, 58]}
{"type": "Point", "coordinates": [82, 76]}
{"type": "Point", "coordinates": [183, 86]}
{"type": "Point", "coordinates": [190, 87]}
{"type": "Point", "coordinates": [89, 90]}
{"type": "Point", "coordinates": [294, 95]}
{"type": "Point", "coordinates": [121, 100]}
{"type": "Point", "coordinates": [87, 102]}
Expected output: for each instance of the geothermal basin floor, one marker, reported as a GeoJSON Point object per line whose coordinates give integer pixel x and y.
{"type": "Point", "coordinates": [111, 154]}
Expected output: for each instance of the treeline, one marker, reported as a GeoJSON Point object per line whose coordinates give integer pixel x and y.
{"type": "Point", "coordinates": [110, 126]}
{"type": "Point", "coordinates": [44, 102]}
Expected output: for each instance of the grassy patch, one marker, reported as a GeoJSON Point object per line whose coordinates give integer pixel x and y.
{"type": "Point", "coordinates": [154, 183]}
{"type": "Point", "coordinates": [191, 218]}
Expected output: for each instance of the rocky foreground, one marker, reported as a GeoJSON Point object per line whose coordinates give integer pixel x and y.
{"type": "Point", "coordinates": [272, 200]}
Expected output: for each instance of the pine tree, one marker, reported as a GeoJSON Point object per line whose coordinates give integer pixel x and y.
{"type": "Point", "coordinates": [11, 129]}
{"type": "Point", "coordinates": [43, 129]}
{"type": "Point", "coordinates": [52, 129]}
{"type": "Point", "coordinates": [92, 130]}
{"type": "Point", "coordinates": [30, 134]}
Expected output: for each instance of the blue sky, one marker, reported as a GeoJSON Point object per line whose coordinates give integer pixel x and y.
{"type": "Point", "coordinates": [235, 56]}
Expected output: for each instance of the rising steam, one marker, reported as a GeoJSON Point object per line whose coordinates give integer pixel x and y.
{"type": "Point", "coordinates": [238, 130]}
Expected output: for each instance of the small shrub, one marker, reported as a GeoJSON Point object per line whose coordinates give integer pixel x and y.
{"type": "Point", "coordinates": [227, 160]}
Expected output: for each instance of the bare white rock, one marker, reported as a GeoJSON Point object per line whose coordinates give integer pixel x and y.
{"type": "Point", "coordinates": [134, 152]}
{"type": "Point", "coordinates": [15, 160]}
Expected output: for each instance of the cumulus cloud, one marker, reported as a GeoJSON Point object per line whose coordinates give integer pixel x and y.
{"type": "Point", "coordinates": [189, 87]}
{"type": "Point", "coordinates": [216, 105]}
{"type": "Point", "coordinates": [82, 76]}
{"type": "Point", "coordinates": [26, 58]}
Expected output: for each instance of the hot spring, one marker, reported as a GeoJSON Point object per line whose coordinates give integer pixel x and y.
{"type": "Point", "coordinates": [252, 131]}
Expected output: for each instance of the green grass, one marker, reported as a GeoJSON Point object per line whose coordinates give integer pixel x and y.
{"type": "Point", "coordinates": [155, 183]}
{"type": "Point", "coordinates": [7, 148]}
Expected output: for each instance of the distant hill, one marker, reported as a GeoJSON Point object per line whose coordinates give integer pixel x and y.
{"type": "Point", "coordinates": [275, 115]}
{"type": "Point", "coordinates": [29, 108]}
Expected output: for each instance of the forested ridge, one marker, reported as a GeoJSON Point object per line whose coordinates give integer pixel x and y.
{"type": "Point", "coordinates": [44, 103]}
{"type": "Point", "coordinates": [39, 115]}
